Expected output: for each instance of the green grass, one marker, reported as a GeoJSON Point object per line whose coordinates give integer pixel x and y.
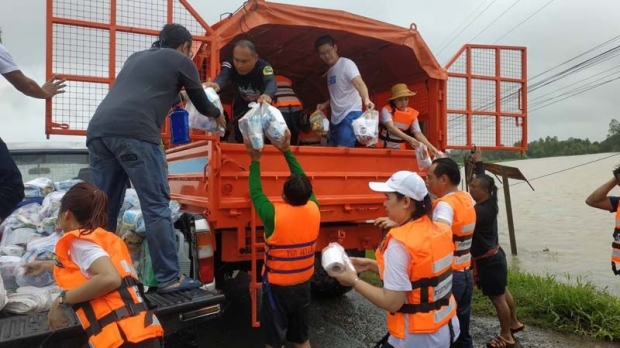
{"type": "Point", "coordinates": [543, 301]}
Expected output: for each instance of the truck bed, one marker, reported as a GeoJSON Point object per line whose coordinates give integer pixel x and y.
{"type": "Point", "coordinates": [175, 311]}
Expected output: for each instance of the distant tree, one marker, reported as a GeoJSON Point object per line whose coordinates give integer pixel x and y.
{"type": "Point", "coordinates": [614, 128]}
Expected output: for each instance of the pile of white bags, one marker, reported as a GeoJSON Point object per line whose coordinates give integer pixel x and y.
{"type": "Point", "coordinates": [263, 120]}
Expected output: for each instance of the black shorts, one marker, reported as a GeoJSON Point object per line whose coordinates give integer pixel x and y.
{"type": "Point", "coordinates": [289, 320]}
{"type": "Point", "coordinates": [493, 274]}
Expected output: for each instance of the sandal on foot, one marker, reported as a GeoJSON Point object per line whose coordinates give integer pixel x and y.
{"type": "Point", "coordinates": [500, 342]}
{"type": "Point", "coordinates": [519, 329]}
{"type": "Point", "coordinates": [185, 283]}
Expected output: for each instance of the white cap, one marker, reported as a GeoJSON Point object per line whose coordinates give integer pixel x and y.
{"type": "Point", "coordinates": [404, 182]}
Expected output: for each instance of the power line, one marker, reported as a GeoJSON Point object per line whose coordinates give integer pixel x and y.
{"type": "Point", "coordinates": [523, 21]}
{"type": "Point", "coordinates": [495, 20]}
{"type": "Point", "coordinates": [463, 22]}
{"type": "Point", "coordinates": [470, 23]}
{"type": "Point", "coordinates": [577, 93]}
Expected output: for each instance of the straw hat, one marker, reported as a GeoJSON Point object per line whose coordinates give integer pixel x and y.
{"type": "Point", "coordinates": [400, 90]}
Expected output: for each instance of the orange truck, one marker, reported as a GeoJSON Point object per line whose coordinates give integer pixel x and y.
{"type": "Point", "coordinates": [479, 97]}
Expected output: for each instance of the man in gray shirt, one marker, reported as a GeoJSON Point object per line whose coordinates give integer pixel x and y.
{"type": "Point", "coordinates": [124, 135]}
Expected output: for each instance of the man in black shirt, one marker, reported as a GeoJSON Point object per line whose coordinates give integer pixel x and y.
{"type": "Point", "coordinates": [489, 259]}
{"type": "Point", "coordinates": [252, 78]}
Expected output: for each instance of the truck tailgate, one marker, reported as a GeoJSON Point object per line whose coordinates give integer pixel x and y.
{"type": "Point", "coordinates": [175, 311]}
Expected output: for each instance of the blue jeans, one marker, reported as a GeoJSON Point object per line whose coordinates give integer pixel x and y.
{"type": "Point", "coordinates": [341, 134]}
{"type": "Point", "coordinates": [462, 289]}
{"type": "Point", "coordinates": [113, 161]}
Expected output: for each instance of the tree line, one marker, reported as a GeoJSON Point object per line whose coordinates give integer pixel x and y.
{"type": "Point", "coordinates": [552, 147]}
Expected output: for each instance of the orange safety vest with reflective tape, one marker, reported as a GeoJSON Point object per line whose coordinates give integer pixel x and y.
{"type": "Point", "coordinates": [289, 254]}
{"type": "Point", "coordinates": [615, 246]}
{"type": "Point", "coordinates": [463, 224]}
{"type": "Point", "coordinates": [119, 314]}
{"type": "Point", "coordinates": [403, 121]}
{"type": "Point", "coordinates": [430, 304]}
{"type": "Point", "coordinates": [285, 96]}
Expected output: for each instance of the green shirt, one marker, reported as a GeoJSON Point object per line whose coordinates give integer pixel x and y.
{"type": "Point", "coordinates": [264, 208]}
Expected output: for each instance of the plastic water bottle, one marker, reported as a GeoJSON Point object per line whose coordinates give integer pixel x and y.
{"type": "Point", "coordinates": [179, 124]}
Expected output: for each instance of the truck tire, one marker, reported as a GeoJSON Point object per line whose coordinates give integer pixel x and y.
{"type": "Point", "coordinates": [325, 286]}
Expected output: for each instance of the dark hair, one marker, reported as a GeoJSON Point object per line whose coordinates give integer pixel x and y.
{"type": "Point", "coordinates": [324, 40]}
{"type": "Point", "coordinates": [297, 190]}
{"type": "Point", "coordinates": [447, 166]}
{"type": "Point", "coordinates": [88, 204]}
{"type": "Point", "coordinates": [173, 36]}
{"type": "Point", "coordinates": [245, 44]}
{"type": "Point", "coordinates": [423, 207]}
{"type": "Point", "coordinates": [488, 184]}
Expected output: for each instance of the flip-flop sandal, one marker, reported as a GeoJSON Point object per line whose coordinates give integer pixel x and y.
{"type": "Point", "coordinates": [519, 329]}
{"type": "Point", "coordinates": [500, 342]}
{"type": "Point", "coordinates": [186, 284]}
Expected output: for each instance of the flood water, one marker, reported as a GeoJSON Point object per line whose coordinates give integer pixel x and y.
{"type": "Point", "coordinates": [556, 232]}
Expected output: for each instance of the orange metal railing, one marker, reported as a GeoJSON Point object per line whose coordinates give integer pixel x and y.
{"type": "Point", "coordinates": [487, 98]}
{"type": "Point", "coordinates": [87, 43]}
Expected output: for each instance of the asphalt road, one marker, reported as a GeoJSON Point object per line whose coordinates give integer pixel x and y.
{"type": "Point", "coordinates": [347, 322]}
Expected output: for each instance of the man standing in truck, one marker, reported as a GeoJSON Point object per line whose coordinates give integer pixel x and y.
{"type": "Point", "coordinates": [456, 209]}
{"type": "Point", "coordinates": [347, 92]}
{"type": "Point", "coordinates": [291, 229]}
{"type": "Point", "coordinates": [252, 78]}
{"type": "Point", "coordinates": [11, 185]}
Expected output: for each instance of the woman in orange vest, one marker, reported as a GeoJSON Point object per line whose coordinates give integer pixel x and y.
{"type": "Point", "coordinates": [98, 281]}
{"type": "Point", "coordinates": [399, 123]}
{"type": "Point", "coordinates": [415, 263]}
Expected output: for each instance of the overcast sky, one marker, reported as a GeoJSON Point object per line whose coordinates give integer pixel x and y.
{"type": "Point", "coordinates": [560, 31]}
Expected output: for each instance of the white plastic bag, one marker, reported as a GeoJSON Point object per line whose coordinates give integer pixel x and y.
{"type": "Point", "coordinates": [30, 299]}
{"type": "Point", "coordinates": [422, 157]}
{"type": "Point", "coordinates": [39, 187]}
{"type": "Point", "coordinates": [202, 122]}
{"type": "Point", "coordinates": [274, 125]}
{"type": "Point", "coordinates": [251, 126]}
{"type": "Point", "coordinates": [9, 266]}
{"type": "Point", "coordinates": [366, 127]}
{"type": "Point", "coordinates": [51, 205]}
{"type": "Point", "coordinates": [66, 185]}
{"type": "Point", "coordinates": [319, 123]}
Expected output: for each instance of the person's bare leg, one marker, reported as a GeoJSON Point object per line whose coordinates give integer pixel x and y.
{"type": "Point", "coordinates": [514, 321]}
{"type": "Point", "coordinates": [302, 345]}
{"type": "Point", "coordinates": [503, 314]}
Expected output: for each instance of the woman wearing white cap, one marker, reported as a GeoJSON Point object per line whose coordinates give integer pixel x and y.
{"type": "Point", "coordinates": [414, 261]}
{"type": "Point", "coordinates": [399, 122]}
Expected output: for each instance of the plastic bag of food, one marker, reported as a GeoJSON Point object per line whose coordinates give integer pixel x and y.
{"type": "Point", "coordinates": [9, 266]}
{"type": "Point", "coordinates": [319, 123]}
{"type": "Point", "coordinates": [251, 126]}
{"type": "Point", "coordinates": [19, 236]}
{"type": "Point", "coordinates": [66, 185]}
{"type": "Point", "coordinates": [422, 157]}
{"type": "Point", "coordinates": [202, 122]}
{"type": "Point", "coordinates": [366, 127]}
{"type": "Point", "coordinates": [51, 205]}
{"type": "Point", "coordinates": [133, 221]}
{"type": "Point", "coordinates": [274, 125]}
{"type": "Point", "coordinates": [30, 299]}
{"type": "Point", "coordinates": [134, 244]}
{"type": "Point", "coordinates": [43, 279]}
{"type": "Point", "coordinates": [39, 187]}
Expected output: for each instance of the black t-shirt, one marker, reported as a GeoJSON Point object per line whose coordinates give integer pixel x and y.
{"type": "Point", "coordinates": [485, 233]}
{"type": "Point", "coordinates": [146, 87]}
{"type": "Point", "coordinates": [248, 88]}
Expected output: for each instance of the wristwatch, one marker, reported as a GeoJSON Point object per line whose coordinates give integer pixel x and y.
{"type": "Point", "coordinates": [62, 298]}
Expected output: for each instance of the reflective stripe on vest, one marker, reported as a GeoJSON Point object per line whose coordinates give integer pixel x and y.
{"type": "Point", "coordinates": [430, 303]}
{"type": "Point", "coordinates": [615, 245]}
{"type": "Point", "coordinates": [289, 255]}
{"type": "Point", "coordinates": [119, 316]}
{"type": "Point", "coordinates": [463, 225]}
{"type": "Point", "coordinates": [403, 121]}
{"type": "Point", "coordinates": [285, 95]}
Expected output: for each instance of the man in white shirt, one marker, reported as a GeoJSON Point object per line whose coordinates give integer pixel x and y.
{"type": "Point", "coordinates": [347, 91]}
{"type": "Point", "coordinates": [11, 185]}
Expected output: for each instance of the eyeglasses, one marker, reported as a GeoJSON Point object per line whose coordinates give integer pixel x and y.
{"type": "Point", "coordinates": [326, 52]}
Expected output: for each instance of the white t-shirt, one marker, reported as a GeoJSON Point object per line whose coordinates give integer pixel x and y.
{"type": "Point", "coordinates": [396, 278]}
{"type": "Point", "coordinates": [83, 253]}
{"type": "Point", "coordinates": [7, 64]}
{"type": "Point", "coordinates": [386, 116]}
{"type": "Point", "coordinates": [344, 98]}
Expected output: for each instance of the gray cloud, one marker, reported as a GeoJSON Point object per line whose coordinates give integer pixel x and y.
{"type": "Point", "coordinates": [562, 30]}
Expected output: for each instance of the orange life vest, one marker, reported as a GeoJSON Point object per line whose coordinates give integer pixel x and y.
{"type": "Point", "coordinates": [430, 304]}
{"type": "Point", "coordinates": [403, 121]}
{"type": "Point", "coordinates": [615, 246]}
{"type": "Point", "coordinates": [289, 255]}
{"type": "Point", "coordinates": [285, 96]}
{"type": "Point", "coordinates": [463, 224]}
{"type": "Point", "coordinates": [120, 313]}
